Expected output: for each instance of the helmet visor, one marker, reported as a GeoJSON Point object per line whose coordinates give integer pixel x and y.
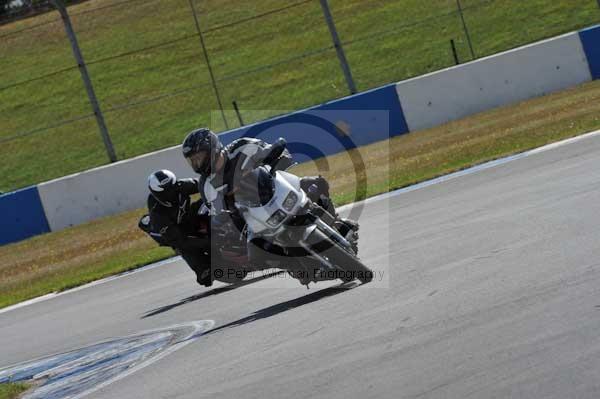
{"type": "Point", "coordinates": [198, 161]}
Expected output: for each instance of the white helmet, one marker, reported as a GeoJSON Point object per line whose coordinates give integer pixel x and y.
{"type": "Point", "coordinates": [162, 185]}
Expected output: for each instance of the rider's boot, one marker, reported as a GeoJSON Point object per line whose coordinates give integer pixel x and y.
{"type": "Point", "coordinates": [204, 277]}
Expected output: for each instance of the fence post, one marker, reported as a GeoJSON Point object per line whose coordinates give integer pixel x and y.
{"type": "Point", "coordinates": [210, 71]}
{"type": "Point", "coordinates": [454, 52]}
{"type": "Point", "coordinates": [462, 18]}
{"type": "Point", "coordinates": [237, 111]}
{"type": "Point", "coordinates": [87, 82]}
{"type": "Point", "coordinates": [338, 46]}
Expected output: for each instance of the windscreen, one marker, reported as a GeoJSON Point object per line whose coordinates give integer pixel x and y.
{"type": "Point", "coordinates": [255, 188]}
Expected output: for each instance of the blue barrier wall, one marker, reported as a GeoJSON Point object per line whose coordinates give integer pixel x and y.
{"type": "Point", "coordinates": [22, 215]}
{"type": "Point", "coordinates": [334, 126]}
{"type": "Point", "coordinates": [590, 39]}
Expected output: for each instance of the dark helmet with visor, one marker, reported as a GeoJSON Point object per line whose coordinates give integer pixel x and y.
{"type": "Point", "coordinates": [201, 148]}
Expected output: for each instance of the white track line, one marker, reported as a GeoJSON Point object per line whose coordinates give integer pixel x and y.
{"type": "Point", "coordinates": [66, 371]}
{"type": "Point", "coordinates": [200, 327]}
{"type": "Point", "coordinates": [427, 183]}
{"type": "Point", "coordinates": [473, 169]}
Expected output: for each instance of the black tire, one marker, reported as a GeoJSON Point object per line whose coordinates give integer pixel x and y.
{"type": "Point", "coordinates": [325, 246]}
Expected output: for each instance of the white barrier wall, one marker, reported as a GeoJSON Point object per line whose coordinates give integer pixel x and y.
{"type": "Point", "coordinates": [501, 79]}
{"type": "Point", "coordinates": [107, 190]}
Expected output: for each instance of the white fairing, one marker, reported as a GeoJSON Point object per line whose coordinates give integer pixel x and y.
{"type": "Point", "coordinates": [257, 217]}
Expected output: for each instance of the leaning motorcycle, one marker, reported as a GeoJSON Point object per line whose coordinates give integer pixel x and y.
{"type": "Point", "coordinates": [279, 214]}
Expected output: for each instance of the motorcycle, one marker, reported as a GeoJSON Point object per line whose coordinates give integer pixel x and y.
{"type": "Point", "coordinates": [278, 213]}
{"type": "Point", "coordinates": [296, 234]}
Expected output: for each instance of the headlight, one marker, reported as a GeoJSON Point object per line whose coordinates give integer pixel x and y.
{"type": "Point", "coordinates": [276, 218]}
{"type": "Point", "coordinates": [290, 201]}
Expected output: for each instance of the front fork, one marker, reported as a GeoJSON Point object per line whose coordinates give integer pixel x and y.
{"type": "Point", "coordinates": [308, 244]}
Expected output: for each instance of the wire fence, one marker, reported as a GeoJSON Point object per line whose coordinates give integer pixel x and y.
{"type": "Point", "coordinates": [157, 68]}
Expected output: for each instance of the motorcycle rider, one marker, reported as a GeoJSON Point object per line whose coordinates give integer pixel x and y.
{"type": "Point", "coordinates": [218, 165]}
{"type": "Point", "coordinates": [175, 221]}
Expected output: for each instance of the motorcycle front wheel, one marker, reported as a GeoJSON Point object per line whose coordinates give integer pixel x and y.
{"type": "Point", "coordinates": [325, 246]}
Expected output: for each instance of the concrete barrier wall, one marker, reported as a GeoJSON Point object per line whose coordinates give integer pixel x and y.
{"type": "Point", "coordinates": [505, 78]}
{"type": "Point", "coordinates": [326, 129]}
{"type": "Point", "coordinates": [107, 190]}
{"type": "Point", "coordinates": [119, 187]}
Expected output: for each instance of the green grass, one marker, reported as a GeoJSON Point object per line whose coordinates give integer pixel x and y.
{"type": "Point", "coordinates": [415, 49]}
{"type": "Point", "coordinates": [12, 391]}
{"type": "Point", "coordinates": [80, 254]}
{"type": "Point", "coordinates": [75, 256]}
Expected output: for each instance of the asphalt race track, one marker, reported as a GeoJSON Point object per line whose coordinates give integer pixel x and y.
{"type": "Point", "coordinates": [493, 291]}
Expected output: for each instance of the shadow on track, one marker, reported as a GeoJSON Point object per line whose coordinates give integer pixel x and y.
{"type": "Point", "coordinates": [214, 291]}
{"type": "Point", "coordinates": [288, 305]}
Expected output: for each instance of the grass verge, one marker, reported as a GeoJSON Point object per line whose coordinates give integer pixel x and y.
{"type": "Point", "coordinates": [12, 390]}
{"type": "Point", "coordinates": [64, 259]}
